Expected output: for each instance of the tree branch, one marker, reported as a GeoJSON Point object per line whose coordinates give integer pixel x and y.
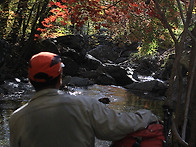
{"type": "Point", "coordinates": [165, 21]}
{"type": "Point", "coordinates": [177, 136]}
{"type": "Point", "coordinates": [181, 11]}
{"type": "Point", "coordinates": [186, 26]}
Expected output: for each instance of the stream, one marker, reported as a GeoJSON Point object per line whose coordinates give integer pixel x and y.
{"type": "Point", "coordinates": [18, 93]}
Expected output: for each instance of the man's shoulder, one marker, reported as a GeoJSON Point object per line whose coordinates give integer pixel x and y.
{"type": "Point", "coordinates": [78, 99]}
{"type": "Point", "coordinates": [18, 112]}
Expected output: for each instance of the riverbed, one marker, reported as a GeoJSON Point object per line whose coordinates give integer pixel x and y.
{"type": "Point", "coordinates": [18, 93]}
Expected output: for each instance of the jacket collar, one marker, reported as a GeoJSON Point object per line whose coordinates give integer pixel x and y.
{"type": "Point", "coordinates": [44, 93]}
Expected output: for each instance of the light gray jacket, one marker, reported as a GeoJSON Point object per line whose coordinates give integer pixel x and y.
{"type": "Point", "coordinates": [53, 119]}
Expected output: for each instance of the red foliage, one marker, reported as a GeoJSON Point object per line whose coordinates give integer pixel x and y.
{"type": "Point", "coordinates": [37, 37]}
{"type": "Point", "coordinates": [77, 12]}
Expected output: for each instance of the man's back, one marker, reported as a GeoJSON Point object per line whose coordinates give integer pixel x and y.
{"type": "Point", "coordinates": [51, 119]}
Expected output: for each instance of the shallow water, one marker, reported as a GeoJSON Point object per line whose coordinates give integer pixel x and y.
{"type": "Point", "coordinates": [120, 99]}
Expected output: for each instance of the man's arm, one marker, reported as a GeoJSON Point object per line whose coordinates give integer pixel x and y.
{"type": "Point", "coordinates": [112, 125]}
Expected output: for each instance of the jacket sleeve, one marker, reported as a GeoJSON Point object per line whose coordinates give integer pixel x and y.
{"type": "Point", "coordinates": [111, 125]}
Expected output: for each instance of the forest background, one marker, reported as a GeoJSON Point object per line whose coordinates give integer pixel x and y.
{"type": "Point", "coordinates": [154, 23]}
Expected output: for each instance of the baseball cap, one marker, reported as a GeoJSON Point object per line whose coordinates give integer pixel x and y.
{"type": "Point", "coordinates": [44, 66]}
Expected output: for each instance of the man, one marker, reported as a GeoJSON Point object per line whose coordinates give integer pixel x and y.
{"type": "Point", "coordinates": [55, 119]}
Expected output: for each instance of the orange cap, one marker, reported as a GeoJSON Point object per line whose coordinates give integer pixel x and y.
{"type": "Point", "coordinates": [44, 66]}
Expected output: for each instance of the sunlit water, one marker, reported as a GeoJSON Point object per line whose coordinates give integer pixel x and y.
{"type": "Point", "coordinates": [120, 100]}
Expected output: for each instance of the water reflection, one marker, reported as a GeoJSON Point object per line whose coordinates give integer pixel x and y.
{"type": "Point", "coordinates": [120, 99]}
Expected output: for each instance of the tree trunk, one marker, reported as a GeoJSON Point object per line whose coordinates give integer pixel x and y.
{"type": "Point", "coordinates": [192, 116]}
{"type": "Point", "coordinates": [16, 28]}
{"type": "Point", "coordinates": [4, 17]}
{"type": "Point", "coordinates": [40, 15]}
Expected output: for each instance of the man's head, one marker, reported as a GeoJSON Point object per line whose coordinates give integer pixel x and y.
{"type": "Point", "coordinates": [45, 70]}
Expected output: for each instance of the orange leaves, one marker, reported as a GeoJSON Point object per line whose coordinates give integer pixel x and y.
{"type": "Point", "coordinates": [37, 37]}
{"type": "Point", "coordinates": [51, 3]}
{"type": "Point", "coordinates": [133, 4]}
{"type": "Point", "coordinates": [60, 14]}
{"type": "Point", "coordinates": [62, 22]}
{"type": "Point", "coordinates": [46, 22]}
{"type": "Point", "coordinates": [41, 30]}
{"type": "Point", "coordinates": [54, 11]}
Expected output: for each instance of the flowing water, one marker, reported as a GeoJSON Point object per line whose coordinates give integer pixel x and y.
{"type": "Point", "coordinates": [120, 99]}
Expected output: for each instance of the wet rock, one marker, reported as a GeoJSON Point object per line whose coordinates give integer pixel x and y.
{"type": "Point", "coordinates": [105, 79]}
{"type": "Point", "coordinates": [2, 91]}
{"type": "Point", "coordinates": [90, 74]}
{"type": "Point", "coordinates": [165, 72]}
{"type": "Point", "coordinates": [147, 66]}
{"type": "Point", "coordinates": [128, 48]}
{"type": "Point", "coordinates": [73, 54]}
{"type": "Point", "coordinates": [104, 53]}
{"type": "Point", "coordinates": [48, 45]}
{"type": "Point", "coordinates": [76, 81]}
{"type": "Point", "coordinates": [104, 100]}
{"type": "Point", "coordinates": [71, 67]}
{"type": "Point", "coordinates": [92, 63]}
{"type": "Point", "coordinates": [117, 73]}
{"type": "Point", "coordinates": [15, 86]}
{"type": "Point", "coordinates": [154, 86]}
{"type": "Point", "coordinates": [72, 41]}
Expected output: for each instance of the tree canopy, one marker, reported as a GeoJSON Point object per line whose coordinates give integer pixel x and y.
{"type": "Point", "coordinates": [124, 20]}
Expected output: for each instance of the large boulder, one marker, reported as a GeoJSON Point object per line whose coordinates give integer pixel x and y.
{"type": "Point", "coordinates": [164, 73]}
{"type": "Point", "coordinates": [76, 81]}
{"type": "Point", "coordinates": [155, 86]}
{"type": "Point", "coordinates": [47, 45]}
{"type": "Point", "coordinates": [117, 73]}
{"type": "Point", "coordinates": [90, 74]}
{"type": "Point", "coordinates": [105, 79]}
{"type": "Point", "coordinates": [104, 53]}
{"type": "Point", "coordinates": [72, 41]}
{"type": "Point", "coordinates": [147, 66]}
{"type": "Point", "coordinates": [91, 62]}
{"type": "Point", "coordinates": [71, 67]}
{"type": "Point", "coordinates": [73, 54]}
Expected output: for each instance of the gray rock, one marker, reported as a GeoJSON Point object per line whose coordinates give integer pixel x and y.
{"type": "Point", "coordinates": [76, 81]}
{"type": "Point", "coordinates": [105, 79]}
{"type": "Point", "coordinates": [117, 73]}
{"type": "Point", "coordinates": [148, 86]}
{"type": "Point", "coordinates": [91, 62]}
{"type": "Point", "coordinates": [104, 53]}
{"type": "Point", "coordinates": [71, 67]}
